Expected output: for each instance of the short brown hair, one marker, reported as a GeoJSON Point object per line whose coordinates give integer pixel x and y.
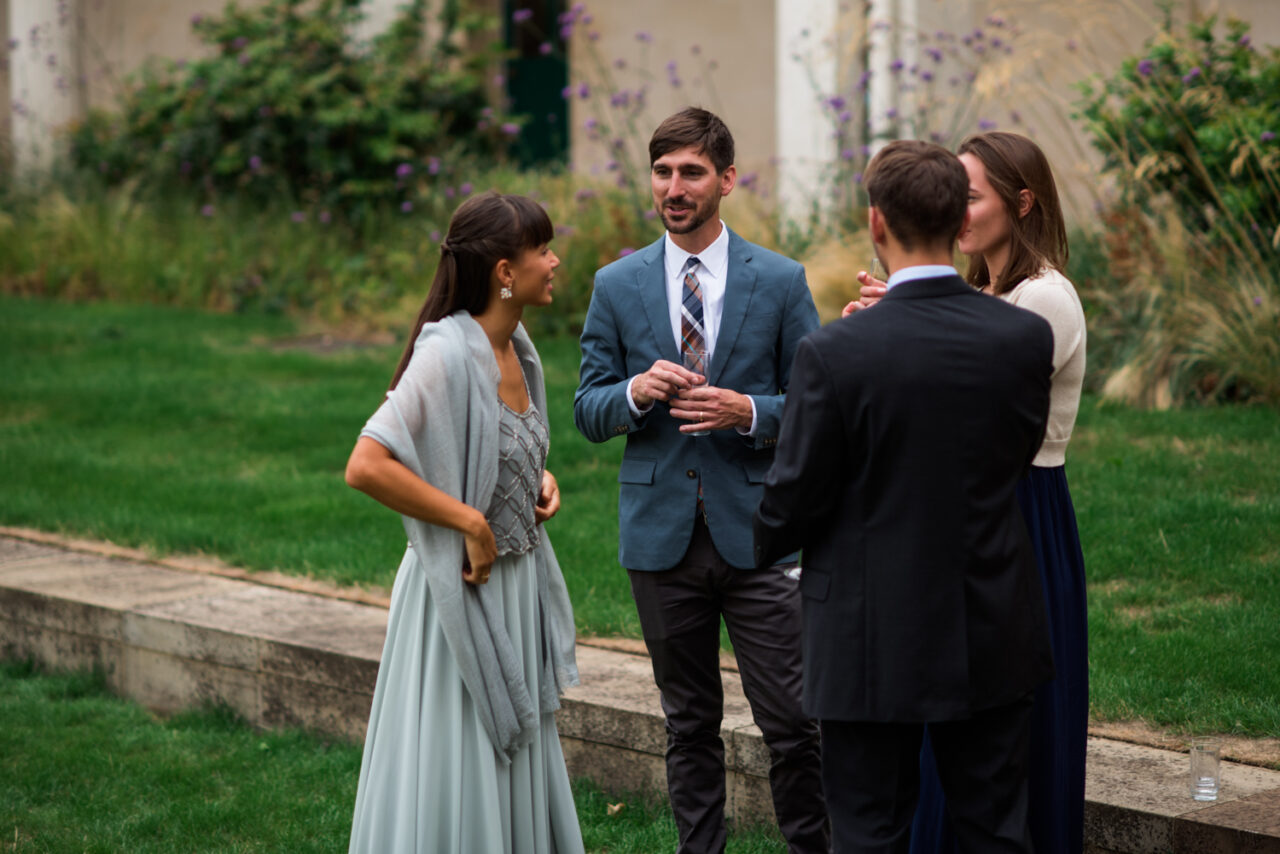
{"type": "Point", "coordinates": [697, 127]}
{"type": "Point", "coordinates": [1014, 163]}
{"type": "Point", "coordinates": [922, 191]}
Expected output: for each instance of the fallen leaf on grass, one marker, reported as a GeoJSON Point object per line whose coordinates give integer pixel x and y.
{"type": "Point", "coordinates": [614, 809]}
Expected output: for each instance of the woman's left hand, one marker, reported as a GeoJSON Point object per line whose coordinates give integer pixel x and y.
{"type": "Point", "coordinates": [548, 498]}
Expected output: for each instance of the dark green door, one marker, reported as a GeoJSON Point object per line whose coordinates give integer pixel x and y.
{"type": "Point", "coordinates": [536, 77]}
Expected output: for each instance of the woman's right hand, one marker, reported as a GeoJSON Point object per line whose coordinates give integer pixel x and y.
{"type": "Point", "coordinates": [871, 292]}
{"type": "Point", "coordinates": [481, 551]}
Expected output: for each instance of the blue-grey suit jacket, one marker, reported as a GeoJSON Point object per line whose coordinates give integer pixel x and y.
{"type": "Point", "coordinates": [767, 310]}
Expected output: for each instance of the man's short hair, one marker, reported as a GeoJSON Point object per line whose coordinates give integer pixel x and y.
{"type": "Point", "coordinates": [699, 128]}
{"type": "Point", "coordinates": [921, 190]}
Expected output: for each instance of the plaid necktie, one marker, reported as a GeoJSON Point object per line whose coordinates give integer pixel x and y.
{"type": "Point", "coordinates": [692, 333]}
{"type": "Point", "coordinates": [693, 337]}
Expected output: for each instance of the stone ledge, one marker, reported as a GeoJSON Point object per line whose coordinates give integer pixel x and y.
{"type": "Point", "coordinates": [171, 639]}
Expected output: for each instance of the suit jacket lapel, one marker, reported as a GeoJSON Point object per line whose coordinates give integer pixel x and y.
{"type": "Point", "coordinates": [740, 286]}
{"type": "Point", "coordinates": [652, 281]}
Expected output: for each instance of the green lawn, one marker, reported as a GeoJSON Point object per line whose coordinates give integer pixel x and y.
{"type": "Point", "coordinates": [185, 431]}
{"type": "Point", "coordinates": [87, 773]}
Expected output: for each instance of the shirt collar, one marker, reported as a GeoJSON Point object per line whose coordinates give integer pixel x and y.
{"type": "Point", "coordinates": [923, 271]}
{"type": "Point", "coordinates": [715, 257]}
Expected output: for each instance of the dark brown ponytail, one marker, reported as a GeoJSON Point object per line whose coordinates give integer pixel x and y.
{"type": "Point", "coordinates": [484, 230]}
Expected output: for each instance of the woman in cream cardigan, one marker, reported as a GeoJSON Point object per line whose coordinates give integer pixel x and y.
{"type": "Point", "coordinates": [462, 753]}
{"type": "Point", "coordinates": [1016, 241]}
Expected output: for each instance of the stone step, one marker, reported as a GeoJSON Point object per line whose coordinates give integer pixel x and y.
{"type": "Point", "coordinates": [170, 639]}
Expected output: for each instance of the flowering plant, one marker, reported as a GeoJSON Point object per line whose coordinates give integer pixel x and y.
{"type": "Point", "coordinates": [288, 101]}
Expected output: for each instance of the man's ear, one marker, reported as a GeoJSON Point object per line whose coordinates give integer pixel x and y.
{"type": "Point", "coordinates": [1026, 201]}
{"type": "Point", "coordinates": [728, 179]}
{"type": "Point", "coordinates": [875, 222]}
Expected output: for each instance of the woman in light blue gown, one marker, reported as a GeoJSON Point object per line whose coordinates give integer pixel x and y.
{"type": "Point", "coordinates": [462, 753]}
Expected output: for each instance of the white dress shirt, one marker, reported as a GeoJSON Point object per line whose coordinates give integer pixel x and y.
{"type": "Point", "coordinates": [713, 276]}
{"type": "Point", "coordinates": [923, 271]}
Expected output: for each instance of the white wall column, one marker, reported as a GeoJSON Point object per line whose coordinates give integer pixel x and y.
{"type": "Point", "coordinates": [46, 89]}
{"type": "Point", "coordinates": [806, 72]}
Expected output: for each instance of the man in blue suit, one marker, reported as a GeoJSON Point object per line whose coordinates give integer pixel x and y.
{"type": "Point", "coordinates": [699, 442]}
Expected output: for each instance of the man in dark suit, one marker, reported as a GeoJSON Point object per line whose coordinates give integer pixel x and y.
{"type": "Point", "coordinates": [686, 500]}
{"type": "Point", "coordinates": [905, 432]}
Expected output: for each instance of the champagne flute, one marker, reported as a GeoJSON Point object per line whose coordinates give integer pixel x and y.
{"type": "Point", "coordinates": [696, 361]}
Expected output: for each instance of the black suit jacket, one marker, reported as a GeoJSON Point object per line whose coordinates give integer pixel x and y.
{"type": "Point", "coordinates": [906, 430]}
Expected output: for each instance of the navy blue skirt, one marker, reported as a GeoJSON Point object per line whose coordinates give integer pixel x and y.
{"type": "Point", "coordinates": [1060, 718]}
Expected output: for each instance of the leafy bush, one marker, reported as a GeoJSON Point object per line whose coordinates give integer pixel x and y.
{"type": "Point", "coordinates": [1196, 119]}
{"type": "Point", "coordinates": [1188, 131]}
{"type": "Point", "coordinates": [287, 103]}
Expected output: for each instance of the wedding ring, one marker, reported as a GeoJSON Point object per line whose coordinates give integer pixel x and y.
{"type": "Point", "coordinates": [700, 418]}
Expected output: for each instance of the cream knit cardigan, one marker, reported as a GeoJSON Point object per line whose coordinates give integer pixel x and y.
{"type": "Point", "coordinates": [1052, 296]}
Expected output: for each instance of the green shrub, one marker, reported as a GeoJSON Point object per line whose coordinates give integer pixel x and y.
{"type": "Point", "coordinates": [287, 104]}
{"type": "Point", "coordinates": [1195, 118]}
{"type": "Point", "coordinates": [1188, 131]}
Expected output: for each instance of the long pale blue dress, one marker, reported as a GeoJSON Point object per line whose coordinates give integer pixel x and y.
{"type": "Point", "coordinates": [431, 781]}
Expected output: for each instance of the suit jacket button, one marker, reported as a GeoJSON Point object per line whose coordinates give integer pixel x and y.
{"type": "Point", "coordinates": [691, 474]}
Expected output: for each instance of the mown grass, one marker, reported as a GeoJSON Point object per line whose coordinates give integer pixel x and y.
{"type": "Point", "coordinates": [86, 772]}
{"type": "Point", "coordinates": [184, 431]}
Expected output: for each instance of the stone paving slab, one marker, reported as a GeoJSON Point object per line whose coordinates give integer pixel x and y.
{"type": "Point", "coordinates": [173, 638]}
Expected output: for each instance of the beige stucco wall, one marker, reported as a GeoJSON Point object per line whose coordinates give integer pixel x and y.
{"type": "Point", "coordinates": [736, 36]}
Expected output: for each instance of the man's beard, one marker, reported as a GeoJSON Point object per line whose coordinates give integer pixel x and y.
{"type": "Point", "coordinates": [697, 218]}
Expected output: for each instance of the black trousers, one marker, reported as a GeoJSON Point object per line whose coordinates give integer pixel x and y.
{"type": "Point", "coordinates": [871, 773]}
{"type": "Point", "coordinates": [680, 611]}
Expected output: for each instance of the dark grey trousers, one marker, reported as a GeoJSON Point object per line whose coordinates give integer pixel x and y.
{"type": "Point", "coordinates": [872, 775]}
{"type": "Point", "coordinates": [680, 611]}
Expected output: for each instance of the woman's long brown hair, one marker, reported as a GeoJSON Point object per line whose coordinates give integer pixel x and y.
{"type": "Point", "coordinates": [1014, 163]}
{"type": "Point", "coordinates": [484, 230]}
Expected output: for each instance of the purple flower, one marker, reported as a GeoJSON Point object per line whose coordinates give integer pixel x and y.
{"type": "Point", "coordinates": [449, 192]}
{"type": "Point", "coordinates": [584, 91]}
{"type": "Point", "coordinates": [644, 36]}
{"type": "Point", "coordinates": [625, 251]}
{"type": "Point", "coordinates": [1145, 67]}
{"type": "Point", "coordinates": [863, 79]}
{"type": "Point", "coordinates": [566, 32]}
{"type": "Point", "coordinates": [594, 36]}
{"type": "Point", "coordinates": [891, 113]}
{"type": "Point", "coordinates": [255, 163]}
{"type": "Point", "coordinates": [620, 99]}
{"type": "Point", "coordinates": [13, 44]}
{"type": "Point", "coordinates": [926, 76]}
{"type": "Point", "coordinates": [564, 230]}
{"type": "Point", "coordinates": [1257, 300]}
{"type": "Point", "coordinates": [836, 102]}
{"type": "Point", "coordinates": [591, 123]}
{"type": "Point", "coordinates": [896, 65]}
{"type": "Point", "coordinates": [1266, 136]}
{"type": "Point", "coordinates": [243, 58]}
{"type": "Point", "coordinates": [406, 206]}
{"type": "Point", "coordinates": [857, 177]}
{"type": "Point", "coordinates": [845, 117]}
{"type": "Point", "coordinates": [298, 216]}
{"type": "Point", "coordinates": [545, 48]}
{"type": "Point", "coordinates": [434, 236]}
{"type": "Point", "coordinates": [934, 54]}
{"type": "Point", "coordinates": [1244, 40]}
{"type": "Point", "coordinates": [499, 80]}
{"type": "Point", "coordinates": [465, 188]}
{"type": "Point", "coordinates": [196, 19]}
{"type": "Point", "coordinates": [650, 214]}
{"type": "Point", "coordinates": [510, 128]}
{"type": "Point", "coordinates": [207, 211]}
{"type": "Point", "coordinates": [977, 34]}
{"type": "Point", "coordinates": [619, 63]}
{"type": "Point", "coordinates": [847, 154]}
{"type": "Point", "coordinates": [566, 92]}
{"type": "Point", "coordinates": [1072, 45]}
{"type": "Point", "coordinates": [1015, 117]}
{"type": "Point", "coordinates": [986, 124]}
{"type": "Point", "coordinates": [239, 43]}
{"type": "Point", "coordinates": [611, 166]}
{"type": "Point", "coordinates": [585, 194]}
{"type": "Point", "coordinates": [324, 217]}
{"type": "Point", "coordinates": [433, 165]}
{"type": "Point", "coordinates": [671, 65]}
{"type": "Point", "coordinates": [404, 170]}
{"type": "Point", "coordinates": [749, 180]}
{"type": "Point", "coordinates": [695, 49]}
{"type": "Point", "coordinates": [1191, 75]}
{"type": "Point", "coordinates": [519, 16]}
